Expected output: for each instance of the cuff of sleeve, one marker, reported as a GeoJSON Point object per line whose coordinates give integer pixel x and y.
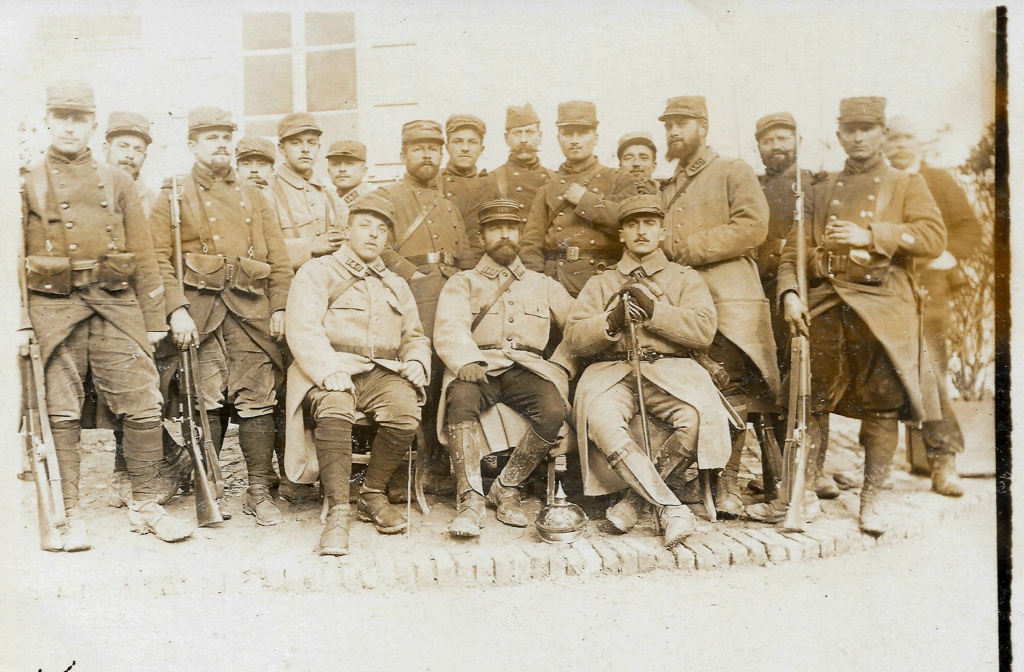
{"type": "Point", "coordinates": [885, 238]}
{"type": "Point", "coordinates": [278, 301]}
{"type": "Point", "coordinates": [176, 300]}
{"type": "Point", "coordinates": [587, 205]}
{"type": "Point", "coordinates": [154, 321]}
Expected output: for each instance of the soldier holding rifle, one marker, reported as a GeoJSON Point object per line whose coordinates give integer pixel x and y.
{"type": "Point", "coordinates": [865, 226]}
{"type": "Point", "coordinates": [94, 301]}
{"type": "Point", "coordinates": [236, 274]}
{"type": "Point", "coordinates": [673, 314]}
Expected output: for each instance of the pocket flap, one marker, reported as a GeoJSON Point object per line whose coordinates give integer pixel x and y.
{"type": "Point", "coordinates": [254, 270]}
{"type": "Point", "coordinates": [47, 266]}
{"type": "Point", "coordinates": [122, 263]}
{"type": "Point", "coordinates": [204, 264]}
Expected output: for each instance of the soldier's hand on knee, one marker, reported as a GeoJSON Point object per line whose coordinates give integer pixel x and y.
{"type": "Point", "coordinates": [183, 328]}
{"type": "Point", "coordinates": [155, 337]}
{"type": "Point", "coordinates": [277, 324]}
{"type": "Point", "coordinates": [797, 317]}
{"type": "Point", "coordinates": [338, 382]}
{"type": "Point", "coordinates": [413, 372]}
{"type": "Point", "coordinates": [473, 373]}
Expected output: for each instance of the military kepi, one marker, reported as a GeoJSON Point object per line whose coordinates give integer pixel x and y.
{"type": "Point", "coordinates": [205, 118]}
{"type": "Point", "coordinates": [685, 106]}
{"type": "Point", "coordinates": [636, 138]}
{"type": "Point", "coordinates": [132, 123]}
{"type": "Point", "coordinates": [295, 123]}
{"type": "Point", "coordinates": [577, 113]}
{"type": "Point", "coordinates": [68, 95]}
{"type": "Point", "coordinates": [422, 130]}
{"type": "Point", "coordinates": [499, 210]}
{"type": "Point", "coordinates": [457, 121]}
{"type": "Point", "coordinates": [774, 120]}
{"type": "Point", "coordinates": [250, 146]}
{"type": "Point", "coordinates": [515, 116]}
{"type": "Point", "coordinates": [350, 148]}
{"type": "Point", "coordinates": [377, 205]}
{"type": "Point", "coordinates": [644, 204]}
{"type": "Point", "coordinates": [865, 109]}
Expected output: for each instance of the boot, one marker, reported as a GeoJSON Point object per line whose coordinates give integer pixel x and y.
{"type": "Point", "coordinates": [256, 439]}
{"type": "Point", "coordinates": [728, 503]}
{"type": "Point", "coordinates": [945, 480]}
{"type": "Point", "coordinates": [624, 515]}
{"type": "Point", "coordinates": [775, 511]}
{"type": "Point", "coordinates": [824, 487]}
{"type": "Point", "coordinates": [504, 493]}
{"type": "Point", "coordinates": [66, 440]}
{"type": "Point", "coordinates": [879, 437]}
{"type": "Point", "coordinates": [389, 448]}
{"type": "Point", "coordinates": [677, 523]}
{"type": "Point", "coordinates": [149, 517]}
{"type": "Point", "coordinates": [333, 438]}
{"type": "Point", "coordinates": [470, 513]}
{"type": "Point", "coordinates": [257, 502]}
{"type": "Point", "coordinates": [173, 472]}
{"type": "Point", "coordinates": [74, 534]}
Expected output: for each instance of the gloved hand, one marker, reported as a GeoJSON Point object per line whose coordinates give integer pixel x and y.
{"type": "Point", "coordinates": [617, 317]}
{"type": "Point", "coordinates": [643, 299]}
{"type": "Point", "coordinates": [473, 373]}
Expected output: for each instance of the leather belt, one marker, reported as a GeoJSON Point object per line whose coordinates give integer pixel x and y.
{"type": "Point", "coordinates": [575, 254]}
{"type": "Point", "coordinates": [512, 345]}
{"type": "Point", "coordinates": [83, 273]}
{"type": "Point", "coordinates": [448, 258]}
{"type": "Point", "coordinates": [837, 263]}
{"type": "Point", "coordinates": [372, 353]}
{"type": "Point", "coordinates": [645, 356]}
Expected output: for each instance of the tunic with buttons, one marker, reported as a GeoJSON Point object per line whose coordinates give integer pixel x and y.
{"type": "Point", "coordinates": [310, 212]}
{"type": "Point", "coordinates": [715, 215]}
{"type": "Point", "coordinates": [779, 191]}
{"type": "Point", "coordinates": [520, 318]}
{"type": "Point", "coordinates": [467, 192]}
{"type": "Point", "coordinates": [224, 216]}
{"type": "Point", "coordinates": [78, 208]}
{"type": "Point", "coordinates": [591, 226]}
{"type": "Point", "coordinates": [520, 182]}
{"type": "Point", "coordinates": [342, 202]}
{"type": "Point", "coordinates": [905, 223]}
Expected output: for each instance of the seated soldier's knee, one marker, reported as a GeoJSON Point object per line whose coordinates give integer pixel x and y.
{"type": "Point", "coordinates": [464, 402]}
{"type": "Point", "coordinates": [334, 404]}
{"type": "Point", "coordinates": [547, 417]}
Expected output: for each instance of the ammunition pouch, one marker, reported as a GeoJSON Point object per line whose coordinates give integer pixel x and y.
{"type": "Point", "coordinates": [861, 267]}
{"type": "Point", "coordinates": [115, 271]}
{"type": "Point", "coordinates": [205, 271]}
{"type": "Point", "coordinates": [48, 275]}
{"type": "Point", "coordinates": [250, 276]}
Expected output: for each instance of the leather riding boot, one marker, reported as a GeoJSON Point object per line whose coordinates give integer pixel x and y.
{"type": "Point", "coordinates": [672, 462]}
{"type": "Point", "coordinates": [333, 437]}
{"type": "Point", "coordinates": [66, 440]}
{"type": "Point", "coordinates": [504, 493]}
{"type": "Point", "coordinates": [945, 480]}
{"type": "Point", "coordinates": [389, 448]}
{"type": "Point", "coordinates": [470, 513]}
{"type": "Point", "coordinates": [879, 437]}
{"type": "Point", "coordinates": [677, 523]}
{"type": "Point", "coordinates": [728, 503]}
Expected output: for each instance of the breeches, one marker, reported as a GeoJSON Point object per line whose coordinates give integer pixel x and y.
{"type": "Point", "coordinates": [520, 389]}
{"type": "Point", "coordinates": [609, 415]}
{"type": "Point", "coordinates": [232, 363]}
{"type": "Point", "coordinates": [123, 373]}
{"type": "Point", "coordinates": [382, 394]}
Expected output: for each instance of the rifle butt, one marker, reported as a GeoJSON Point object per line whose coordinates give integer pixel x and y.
{"type": "Point", "coordinates": [49, 536]}
{"type": "Point", "coordinates": [207, 509]}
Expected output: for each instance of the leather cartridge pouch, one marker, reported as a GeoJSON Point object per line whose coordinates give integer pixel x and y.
{"type": "Point", "coordinates": [867, 268]}
{"type": "Point", "coordinates": [205, 271]}
{"type": "Point", "coordinates": [115, 271]}
{"type": "Point", "coordinates": [251, 276]}
{"type": "Point", "coordinates": [48, 275]}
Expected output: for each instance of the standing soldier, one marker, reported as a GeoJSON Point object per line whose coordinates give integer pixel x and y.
{"type": "Point", "coordinates": [95, 303]}
{"type": "Point", "coordinates": [430, 241]}
{"type": "Point", "coordinates": [312, 229]}
{"type": "Point", "coordinates": [638, 156]}
{"type": "Point", "coordinates": [460, 181]}
{"type": "Point", "coordinates": [358, 346]}
{"type": "Point", "coordinates": [492, 325]}
{"type": "Point", "coordinates": [346, 166]}
{"type": "Point", "coordinates": [520, 177]}
{"type": "Point", "coordinates": [866, 225]}
{"type": "Point", "coordinates": [254, 159]}
{"type": "Point", "coordinates": [572, 229]}
{"type": "Point", "coordinates": [673, 314]}
{"type": "Point", "coordinates": [939, 278]}
{"type": "Point", "coordinates": [715, 216]}
{"type": "Point", "coordinates": [236, 277]}
{"type": "Point", "coordinates": [127, 141]}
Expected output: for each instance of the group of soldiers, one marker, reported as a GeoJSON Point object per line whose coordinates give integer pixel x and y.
{"type": "Point", "coordinates": [424, 305]}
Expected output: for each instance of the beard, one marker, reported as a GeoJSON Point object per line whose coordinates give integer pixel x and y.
{"type": "Point", "coordinates": [424, 172]}
{"type": "Point", "coordinates": [504, 252]}
{"type": "Point", "coordinates": [779, 161]}
{"type": "Point", "coordinates": [680, 149]}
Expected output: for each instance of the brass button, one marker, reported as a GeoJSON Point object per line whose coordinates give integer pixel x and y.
{"type": "Point", "coordinates": [69, 224]}
{"type": "Point", "coordinates": [103, 203]}
{"type": "Point", "coordinates": [65, 205]}
{"type": "Point", "coordinates": [519, 188]}
{"type": "Point", "coordinates": [209, 203]}
{"type": "Point", "coordinates": [110, 229]}
{"type": "Point", "coordinates": [871, 197]}
{"type": "Point", "coordinates": [213, 219]}
{"type": "Point", "coordinates": [72, 247]}
{"type": "Point", "coordinates": [517, 175]}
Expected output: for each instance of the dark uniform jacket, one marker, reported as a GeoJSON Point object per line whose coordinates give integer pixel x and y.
{"type": "Point", "coordinates": [520, 182]}
{"type": "Point", "coordinates": [467, 192]}
{"type": "Point", "coordinates": [84, 209]}
{"type": "Point", "coordinates": [905, 223]}
{"type": "Point", "coordinates": [228, 218]}
{"type": "Point", "coordinates": [779, 191]}
{"type": "Point", "coordinates": [588, 231]}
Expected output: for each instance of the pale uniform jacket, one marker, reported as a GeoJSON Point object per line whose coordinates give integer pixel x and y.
{"type": "Point", "coordinates": [376, 314]}
{"type": "Point", "coordinates": [521, 317]}
{"type": "Point", "coordinates": [715, 215]}
{"type": "Point", "coordinates": [684, 319]}
{"type": "Point", "coordinates": [310, 212]}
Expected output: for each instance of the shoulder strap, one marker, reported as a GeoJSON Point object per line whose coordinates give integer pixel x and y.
{"type": "Point", "coordinates": [494, 299]}
{"type": "Point", "coordinates": [680, 192]}
{"type": "Point", "coordinates": [565, 202]}
{"type": "Point", "coordinates": [335, 265]}
{"type": "Point", "coordinates": [416, 224]}
{"type": "Point", "coordinates": [501, 177]}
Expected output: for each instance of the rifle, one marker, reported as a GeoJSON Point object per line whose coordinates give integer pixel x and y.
{"type": "Point", "coordinates": [635, 345]}
{"type": "Point", "coordinates": [202, 450]}
{"type": "Point", "coordinates": [42, 453]}
{"type": "Point", "coordinates": [796, 448]}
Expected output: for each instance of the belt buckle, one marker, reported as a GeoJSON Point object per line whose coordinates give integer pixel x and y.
{"type": "Point", "coordinates": [572, 253]}
{"type": "Point", "coordinates": [448, 258]}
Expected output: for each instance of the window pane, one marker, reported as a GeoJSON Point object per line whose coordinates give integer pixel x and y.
{"type": "Point", "coordinates": [330, 28]}
{"type": "Point", "coordinates": [331, 80]}
{"type": "Point", "coordinates": [268, 84]}
{"type": "Point", "coordinates": [266, 31]}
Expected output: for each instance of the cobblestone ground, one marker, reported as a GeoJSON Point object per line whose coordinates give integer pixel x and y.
{"type": "Point", "coordinates": [239, 557]}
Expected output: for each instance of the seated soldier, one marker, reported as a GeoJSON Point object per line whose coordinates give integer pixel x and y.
{"type": "Point", "coordinates": [358, 345]}
{"type": "Point", "coordinates": [491, 326]}
{"type": "Point", "coordinates": [673, 313]}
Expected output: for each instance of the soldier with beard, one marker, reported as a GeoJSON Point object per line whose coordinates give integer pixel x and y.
{"type": "Point", "coordinates": [572, 229]}
{"type": "Point", "coordinates": [491, 328]}
{"type": "Point", "coordinates": [715, 215]}
{"type": "Point", "coordinates": [127, 141]}
{"type": "Point", "coordinates": [519, 178]}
